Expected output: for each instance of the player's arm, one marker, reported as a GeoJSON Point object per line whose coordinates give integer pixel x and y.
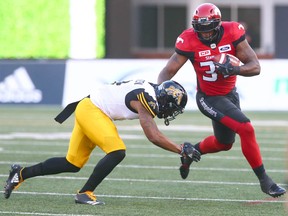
{"type": "Point", "coordinates": [175, 62]}
{"type": "Point", "coordinates": [151, 130]}
{"type": "Point", "coordinates": [247, 55]}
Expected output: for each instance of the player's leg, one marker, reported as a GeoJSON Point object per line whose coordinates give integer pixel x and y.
{"type": "Point", "coordinates": [236, 120]}
{"type": "Point", "coordinates": [211, 144]}
{"type": "Point", "coordinates": [226, 111]}
{"type": "Point", "coordinates": [100, 172]}
{"type": "Point", "coordinates": [215, 108]}
{"type": "Point", "coordinates": [222, 140]}
{"type": "Point", "coordinates": [103, 133]}
{"type": "Point", "coordinates": [51, 166]}
{"type": "Point", "coordinates": [251, 151]}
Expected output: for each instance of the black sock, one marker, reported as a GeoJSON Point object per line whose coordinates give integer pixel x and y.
{"type": "Point", "coordinates": [49, 167]}
{"type": "Point", "coordinates": [260, 172]}
{"type": "Point", "coordinates": [196, 146]}
{"type": "Point", "coordinates": [102, 169]}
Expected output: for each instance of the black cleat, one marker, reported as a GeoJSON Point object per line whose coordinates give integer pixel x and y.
{"type": "Point", "coordinates": [185, 166]}
{"type": "Point", "coordinates": [271, 188]}
{"type": "Point", "coordinates": [14, 180]}
{"type": "Point", "coordinates": [87, 198]}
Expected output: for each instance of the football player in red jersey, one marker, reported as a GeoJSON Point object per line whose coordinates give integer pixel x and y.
{"type": "Point", "coordinates": [217, 97]}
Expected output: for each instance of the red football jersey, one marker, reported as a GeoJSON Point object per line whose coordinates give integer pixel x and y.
{"type": "Point", "coordinates": [200, 55]}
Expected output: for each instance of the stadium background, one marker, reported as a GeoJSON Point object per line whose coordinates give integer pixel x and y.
{"type": "Point", "coordinates": [70, 43]}
{"type": "Point", "coordinates": [52, 50]}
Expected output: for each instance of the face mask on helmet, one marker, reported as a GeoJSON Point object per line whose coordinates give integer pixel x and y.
{"type": "Point", "coordinates": [207, 18]}
{"type": "Point", "coordinates": [171, 98]}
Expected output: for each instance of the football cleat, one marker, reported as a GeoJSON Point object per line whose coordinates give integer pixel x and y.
{"type": "Point", "coordinates": [14, 180]}
{"type": "Point", "coordinates": [271, 188]}
{"type": "Point", "coordinates": [185, 165]}
{"type": "Point", "coordinates": [88, 198]}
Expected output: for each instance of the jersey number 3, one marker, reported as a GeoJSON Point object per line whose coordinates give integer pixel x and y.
{"type": "Point", "coordinates": [211, 75]}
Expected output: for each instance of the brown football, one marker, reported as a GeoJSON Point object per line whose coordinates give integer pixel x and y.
{"type": "Point", "coordinates": [221, 58]}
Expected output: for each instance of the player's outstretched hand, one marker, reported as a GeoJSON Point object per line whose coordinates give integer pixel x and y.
{"type": "Point", "coordinates": [190, 152]}
{"type": "Point", "coordinates": [188, 155]}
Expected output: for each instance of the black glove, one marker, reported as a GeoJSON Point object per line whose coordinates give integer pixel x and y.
{"type": "Point", "coordinates": [227, 69]}
{"type": "Point", "coordinates": [189, 154]}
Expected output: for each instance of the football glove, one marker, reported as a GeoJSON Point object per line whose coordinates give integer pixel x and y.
{"type": "Point", "coordinates": [227, 69]}
{"type": "Point", "coordinates": [189, 151]}
{"type": "Point", "coordinates": [189, 154]}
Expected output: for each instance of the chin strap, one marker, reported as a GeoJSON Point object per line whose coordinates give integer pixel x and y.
{"type": "Point", "coordinates": [170, 118]}
{"type": "Point", "coordinates": [166, 121]}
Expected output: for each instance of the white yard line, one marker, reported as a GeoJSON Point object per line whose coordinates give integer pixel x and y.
{"type": "Point", "coordinates": [38, 213]}
{"type": "Point", "coordinates": [183, 128]}
{"type": "Point", "coordinates": [14, 152]}
{"type": "Point", "coordinates": [149, 180]}
{"type": "Point", "coordinates": [210, 169]}
{"type": "Point", "coordinates": [157, 198]}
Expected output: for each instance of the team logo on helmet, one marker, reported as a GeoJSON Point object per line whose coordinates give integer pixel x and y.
{"type": "Point", "coordinates": [171, 98]}
{"type": "Point", "coordinates": [175, 93]}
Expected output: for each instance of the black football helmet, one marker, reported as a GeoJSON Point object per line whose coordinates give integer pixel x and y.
{"type": "Point", "coordinates": [172, 99]}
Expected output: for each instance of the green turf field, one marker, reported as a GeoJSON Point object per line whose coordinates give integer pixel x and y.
{"type": "Point", "coordinates": [147, 182]}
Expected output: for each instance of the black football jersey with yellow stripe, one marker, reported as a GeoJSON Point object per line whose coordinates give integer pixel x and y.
{"type": "Point", "coordinates": [114, 99]}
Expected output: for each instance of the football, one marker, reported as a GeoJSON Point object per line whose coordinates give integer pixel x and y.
{"type": "Point", "coordinates": [221, 58]}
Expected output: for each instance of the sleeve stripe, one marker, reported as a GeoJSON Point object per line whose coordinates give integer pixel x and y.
{"type": "Point", "coordinates": [143, 101]}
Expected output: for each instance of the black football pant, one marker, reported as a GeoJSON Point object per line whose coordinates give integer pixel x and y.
{"type": "Point", "coordinates": [216, 107]}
